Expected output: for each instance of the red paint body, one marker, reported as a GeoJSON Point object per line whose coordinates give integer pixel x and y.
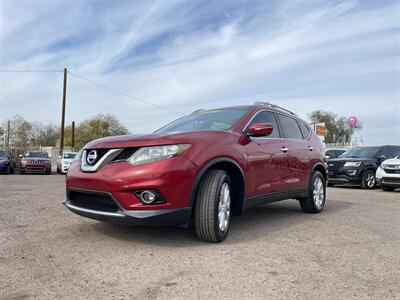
{"type": "Point", "coordinates": [265, 167]}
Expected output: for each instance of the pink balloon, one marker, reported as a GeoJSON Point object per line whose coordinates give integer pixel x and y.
{"type": "Point", "coordinates": [352, 121]}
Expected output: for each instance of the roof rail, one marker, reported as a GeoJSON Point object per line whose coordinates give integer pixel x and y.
{"type": "Point", "coordinates": [274, 106]}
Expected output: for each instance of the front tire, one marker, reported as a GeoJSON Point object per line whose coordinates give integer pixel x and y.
{"type": "Point", "coordinates": [315, 201]}
{"type": "Point", "coordinates": [213, 207]}
{"type": "Point", "coordinates": [368, 180]}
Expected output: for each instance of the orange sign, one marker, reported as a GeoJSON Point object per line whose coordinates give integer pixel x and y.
{"type": "Point", "coordinates": [320, 129]}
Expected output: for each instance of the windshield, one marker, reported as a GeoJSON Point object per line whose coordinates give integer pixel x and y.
{"type": "Point", "coordinates": [36, 154]}
{"type": "Point", "coordinates": [216, 119]}
{"type": "Point", "coordinates": [70, 155]}
{"type": "Point", "coordinates": [361, 152]}
{"type": "Point", "coordinates": [3, 154]}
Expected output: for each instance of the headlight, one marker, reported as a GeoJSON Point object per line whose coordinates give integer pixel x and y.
{"type": "Point", "coordinates": [354, 164]}
{"type": "Point", "coordinates": [150, 154]}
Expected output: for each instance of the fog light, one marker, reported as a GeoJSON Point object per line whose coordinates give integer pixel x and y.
{"type": "Point", "coordinates": [351, 173]}
{"type": "Point", "coordinates": [149, 196]}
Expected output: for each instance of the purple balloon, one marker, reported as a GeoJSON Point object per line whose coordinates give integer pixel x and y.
{"type": "Point", "coordinates": [352, 121]}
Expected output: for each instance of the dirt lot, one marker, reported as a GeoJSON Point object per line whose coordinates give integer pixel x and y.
{"type": "Point", "coordinates": [351, 250]}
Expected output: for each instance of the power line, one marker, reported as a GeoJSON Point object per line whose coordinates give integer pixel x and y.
{"type": "Point", "coordinates": [30, 71]}
{"type": "Point", "coordinates": [124, 94]}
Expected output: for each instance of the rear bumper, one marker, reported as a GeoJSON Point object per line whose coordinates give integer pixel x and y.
{"type": "Point", "coordinates": [138, 217]}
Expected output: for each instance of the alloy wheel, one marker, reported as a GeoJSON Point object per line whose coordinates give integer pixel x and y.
{"type": "Point", "coordinates": [224, 207]}
{"type": "Point", "coordinates": [318, 192]}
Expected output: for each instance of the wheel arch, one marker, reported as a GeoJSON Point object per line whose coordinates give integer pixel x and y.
{"type": "Point", "coordinates": [236, 175]}
{"type": "Point", "coordinates": [321, 168]}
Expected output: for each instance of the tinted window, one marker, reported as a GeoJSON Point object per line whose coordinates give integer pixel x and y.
{"type": "Point", "coordinates": [216, 119]}
{"type": "Point", "coordinates": [388, 152]}
{"type": "Point", "coordinates": [331, 153]}
{"type": "Point", "coordinates": [69, 155]}
{"type": "Point", "coordinates": [361, 152]}
{"type": "Point", "coordinates": [267, 117]}
{"type": "Point", "coordinates": [304, 129]}
{"type": "Point", "coordinates": [36, 154]}
{"type": "Point", "coordinates": [290, 128]}
{"type": "Point", "coordinates": [396, 151]}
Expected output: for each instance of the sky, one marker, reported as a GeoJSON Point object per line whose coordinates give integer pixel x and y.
{"type": "Point", "coordinates": [338, 56]}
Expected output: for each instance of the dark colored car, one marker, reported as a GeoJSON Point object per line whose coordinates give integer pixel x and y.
{"type": "Point", "coordinates": [7, 162]}
{"type": "Point", "coordinates": [35, 162]}
{"type": "Point", "coordinates": [205, 166]}
{"type": "Point", "coordinates": [334, 153]}
{"type": "Point", "coordinates": [358, 166]}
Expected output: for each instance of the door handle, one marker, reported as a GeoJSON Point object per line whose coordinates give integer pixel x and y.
{"type": "Point", "coordinates": [310, 148]}
{"type": "Point", "coordinates": [284, 149]}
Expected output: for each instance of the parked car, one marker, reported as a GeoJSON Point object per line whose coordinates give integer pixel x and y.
{"type": "Point", "coordinates": [358, 165]}
{"type": "Point", "coordinates": [7, 162]}
{"type": "Point", "coordinates": [35, 162]}
{"type": "Point", "coordinates": [334, 153]}
{"type": "Point", "coordinates": [204, 166]}
{"type": "Point", "coordinates": [64, 161]}
{"type": "Point", "coordinates": [388, 174]}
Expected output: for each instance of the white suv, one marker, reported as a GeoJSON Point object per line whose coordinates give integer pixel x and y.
{"type": "Point", "coordinates": [388, 174]}
{"type": "Point", "coordinates": [64, 161]}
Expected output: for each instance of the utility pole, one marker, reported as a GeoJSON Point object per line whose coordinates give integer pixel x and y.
{"type": "Point", "coordinates": [63, 111]}
{"type": "Point", "coordinates": [8, 135]}
{"type": "Point", "coordinates": [73, 136]}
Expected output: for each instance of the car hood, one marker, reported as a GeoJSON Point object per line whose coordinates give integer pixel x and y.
{"type": "Point", "coordinates": [345, 159]}
{"type": "Point", "coordinates": [67, 159]}
{"type": "Point", "coordinates": [154, 139]}
{"type": "Point", "coordinates": [392, 161]}
{"type": "Point", "coordinates": [36, 158]}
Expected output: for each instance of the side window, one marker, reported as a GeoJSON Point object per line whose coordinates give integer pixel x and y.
{"type": "Point", "coordinates": [304, 129]}
{"type": "Point", "coordinates": [290, 128]}
{"type": "Point", "coordinates": [267, 117]}
{"type": "Point", "coordinates": [331, 153]}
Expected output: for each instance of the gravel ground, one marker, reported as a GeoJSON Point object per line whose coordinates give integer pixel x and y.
{"type": "Point", "coordinates": [351, 250]}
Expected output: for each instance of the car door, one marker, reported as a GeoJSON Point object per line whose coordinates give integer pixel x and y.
{"type": "Point", "coordinates": [267, 159]}
{"type": "Point", "coordinates": [299, 151]}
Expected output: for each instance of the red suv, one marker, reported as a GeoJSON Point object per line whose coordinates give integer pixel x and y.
{"type": "Point", "coordinates": [205, 166]}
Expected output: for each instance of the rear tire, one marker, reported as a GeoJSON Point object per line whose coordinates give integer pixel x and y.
{"type": "Point", "coordinates": [315, 201]}
{"type": "Point", "coordinates": [388, 188]}
{"type": "Point", "coordinates": [368, 180]}
{"type": "Point", "coordinates": [212, 213]}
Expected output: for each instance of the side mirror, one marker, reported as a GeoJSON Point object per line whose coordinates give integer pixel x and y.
{"type": "Point", "coordinates": [20, 156]}
{"type": "Point", "coordinates": [327, 157]}
{"type": "Point", "coordinates": [59, 156]}
{"type": "Point", "coordinates": [383, 157]}
{"type": "Point", "coordinates": [260, 129]}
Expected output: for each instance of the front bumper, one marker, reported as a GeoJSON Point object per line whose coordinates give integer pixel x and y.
{"type": "Point", "coordinates": [173, 178]}
{"type": "Point", "coordinates": [343, 176]}
{"type": "Point", "coordinates": [386, 179]}
{"type": "Point", "coordinates": [139, 217]}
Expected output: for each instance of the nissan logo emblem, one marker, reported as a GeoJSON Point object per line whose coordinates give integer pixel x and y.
{"type": "Point", "coordinates": [92, 157]}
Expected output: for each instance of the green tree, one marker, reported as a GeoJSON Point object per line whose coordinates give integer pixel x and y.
{"type": "Point", "coordinates": [338, 129]}
{"type": "Point", "coordinates": [45, 135]}
{"type": "Point", "coordinates": [101, 125]}
{"type": "Point", "coordinates": [20, 132]}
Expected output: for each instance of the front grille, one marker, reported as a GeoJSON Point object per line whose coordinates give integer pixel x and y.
{"type": "Point", "coordinates": [93, 200]}
{"type": "Point", "coordinates": [390, 180]}
{"type": "Point", "coordinates": [335, 166]}
{"type": "Point", "coordinates": [37, 162]}
{"type": "Point", "coordinates": [100, 154]}
{"type": "Point", "coordinates": [125, 154]}
{"type": "Point", "coordinates": [392, 171]}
